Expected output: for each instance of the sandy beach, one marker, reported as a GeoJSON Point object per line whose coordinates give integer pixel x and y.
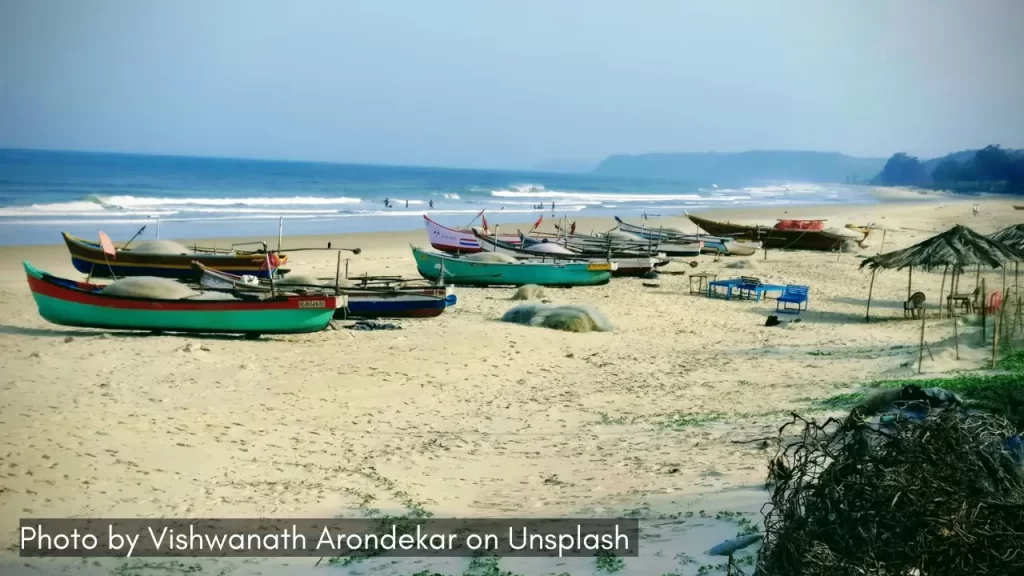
{"type": "Point", "coordinates": [462, 415]}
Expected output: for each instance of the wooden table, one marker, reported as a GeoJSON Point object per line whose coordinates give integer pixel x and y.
{"type": "Point", "coordinates": [702, 282]}
{"type": "Point", "coordinates": [960, 300]}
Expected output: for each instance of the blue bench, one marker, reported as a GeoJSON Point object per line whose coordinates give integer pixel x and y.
{"type": "Point", "coordinates": [792, 295]}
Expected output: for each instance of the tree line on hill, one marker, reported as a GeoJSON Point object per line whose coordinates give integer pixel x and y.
{"type": "Point", "coordinates": [991, 169]}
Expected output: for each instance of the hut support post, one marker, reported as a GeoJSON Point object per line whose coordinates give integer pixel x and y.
{"type": "Point", "coordinates": [956, 338]}
{"type": "Point", "coordinates": [984, 310]}
{"type": "Point", "coordinates": [910, 278]}
{"type": "Point", "coordinates": [920, 346]}
{"type": "Point", "coordinates": [995, 343]}
{"type": "Point", "coordinates": [871, 286]}
{"type": "Point", "coordinates": [942, 288]}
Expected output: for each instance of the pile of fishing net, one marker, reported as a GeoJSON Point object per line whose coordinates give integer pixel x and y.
{"type": "Point", "coordinates": [570, 318]}
{"type": "Point", "coordinates": [160, 247]}
{"type": "Point", "coordinates": [550, 248]}
{"type": "Point", "coordinates": [493, 257]}
{"type": "Point", "coordinates": [926, 487]}
{"type": "Point", "coordinates": [149, 287]}
{"type": "Point", "coordinates": [530, 292]}
{"type": "Point", "coordinates": [160, 289]}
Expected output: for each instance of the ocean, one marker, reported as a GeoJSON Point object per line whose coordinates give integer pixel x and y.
{"type": "Point", "coordinates": [43, 193]}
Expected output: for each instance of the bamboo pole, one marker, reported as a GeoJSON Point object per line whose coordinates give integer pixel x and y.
{"type": "Point", "coordinates": [867, 315]}
{"type": "Point", "coordinates": [956, 338]}
{"type": "Point", "coordinates": [910, 278]}
{"type": "Point", "coordinates": [995, 343]}
{"type": "Point", "coordinates": [920, 346]}
{"type": "Point", "coordinates": [942, 288]}
{"type": "Point", "coordinates": [984, 310]}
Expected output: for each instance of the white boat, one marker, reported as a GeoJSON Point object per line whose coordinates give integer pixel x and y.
{"type": "Point", "coordinates": [456, 241]}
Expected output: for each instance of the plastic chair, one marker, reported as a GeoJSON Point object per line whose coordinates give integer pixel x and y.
{"type": "Point", "coordinates": [995, 302]}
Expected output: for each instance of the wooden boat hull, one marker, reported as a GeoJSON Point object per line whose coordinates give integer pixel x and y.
{"type": "Point", "coordinates": [463, 272]}
{"type": "Point", "coordinates": [452, 241]}
{"type": "Point", "coordinates": [70, 303]}
{"type": "Point", "coordinates": [88, 258]}
{"type": "Point", "coordinates": [418, 302]}
{"type": "Point", "coordinates": [626, 266]}
{"type": "Point", "coordinates": [771, 237]}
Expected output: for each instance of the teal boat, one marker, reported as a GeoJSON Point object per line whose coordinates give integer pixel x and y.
{"type": "Point", "coordinates": [71, 303]}
{"type": "Point", "coordinates": [462, 272]}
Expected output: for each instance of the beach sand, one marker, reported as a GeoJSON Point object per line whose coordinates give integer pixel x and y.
{"type": "Point", "coordinates": [462, 415]}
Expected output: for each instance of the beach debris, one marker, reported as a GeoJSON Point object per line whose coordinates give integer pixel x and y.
{"type": "Point", "coordinates": [35, 355]}
{"type": "Point", "coordinates": [491, 257]}
{"type": "Point", "coordinates": [149, 287]}
{"type": "Point", "coordinates": [192, 347]}
{"type": "Point", "coordinates": [373, 325]}
{"type": "Point", "coordinates": [772, 320]}
{"type": "Point", "coordinates": [919, 484]}
{"type": "Point", "coordinates": [530, 292]}
{"type": "Point", "coordinates": [651, 285]}
{"type": "Point", "coordinates": [69, 339]}
{"type": "Point", "coordinates": [651, 275]}
{"type": "Point", "coordinates": [730, 547]}
{"type": "Point", "coordinates": [569, 318]}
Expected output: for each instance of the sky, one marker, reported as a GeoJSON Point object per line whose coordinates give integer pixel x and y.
{"type": "Point", "coordinates": [509, 84]}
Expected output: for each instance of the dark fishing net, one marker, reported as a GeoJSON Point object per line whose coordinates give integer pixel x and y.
{"type": "Point", "coordinates": [917, 491]}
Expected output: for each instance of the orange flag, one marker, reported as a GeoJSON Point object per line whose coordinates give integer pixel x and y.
{"type": "Point", "coordinates": [485, 223]}
{"type": "Point", "coordinates": [107, 245]}
{"type": "Point", "coordinates": [537, 223]}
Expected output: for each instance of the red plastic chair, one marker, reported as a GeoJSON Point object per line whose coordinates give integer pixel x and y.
{"type": "Point", "coordinates": [995, 301]}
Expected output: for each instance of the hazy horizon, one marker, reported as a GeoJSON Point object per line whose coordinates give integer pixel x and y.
{"type": "Point", "coordinates": [508, 86]}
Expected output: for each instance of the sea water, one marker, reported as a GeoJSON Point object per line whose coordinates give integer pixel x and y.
{"type": "Point", "coordinates": [43, 193]}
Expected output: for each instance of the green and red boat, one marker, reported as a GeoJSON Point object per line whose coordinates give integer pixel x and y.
{"type": "Point", "coordinates": [81, 304]}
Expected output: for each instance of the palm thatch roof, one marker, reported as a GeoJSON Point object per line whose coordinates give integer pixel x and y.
{"type": "Point", "coordinates": [1012, 236]}
{"type": "Point", "coordinates": [958, 247]}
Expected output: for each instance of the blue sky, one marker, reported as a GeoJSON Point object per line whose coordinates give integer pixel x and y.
{"type": "Point", "coordinates": [509, 84]}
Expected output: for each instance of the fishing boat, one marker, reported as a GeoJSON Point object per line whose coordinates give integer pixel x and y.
{"type": "Point", "coordinates": [455, 241]}
{"type": "Point", "coordinates": [625, 264]}
{"type": "Point", "coordinates": [593, 245]}
{"type": "Point", "coordinates": [82, 304]}
{"type": "Point", "coordinates": [710, 244]}
{"type": "Point", "coordinates": [375, 298]}
{"type": "Point", "coordinates": [1018, 207]}
{"type": "Point", "coordinates": [463, 272]}
{"type": "Point", "coordinates": [89, 258]}
{"type": "Point", "coordinates": [772, 237]}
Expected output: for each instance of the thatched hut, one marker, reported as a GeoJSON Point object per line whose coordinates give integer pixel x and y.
{"type": "Point", "coordinates": [956, 248]}
{"type": "Point", "coordinates": [1012, 236]}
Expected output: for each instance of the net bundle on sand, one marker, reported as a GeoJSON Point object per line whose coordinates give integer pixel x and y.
{"type": "Point", "coordinates": [569, 318]}
{"type": "Point", "coordinates": [927, 489]}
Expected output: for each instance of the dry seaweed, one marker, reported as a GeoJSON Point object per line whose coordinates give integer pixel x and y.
{"type": "Point", "coordinates": [934, 495]}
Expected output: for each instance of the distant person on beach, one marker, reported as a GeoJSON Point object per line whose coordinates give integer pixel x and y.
{"type": "Point", "coordinates": [431, 204]}
{"type": "Point", "coordinates": [552, 208]}
{"type": "Point", "coordinates": [406, 203]}
{"type": "Point", "coordinates": [387, 203]}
